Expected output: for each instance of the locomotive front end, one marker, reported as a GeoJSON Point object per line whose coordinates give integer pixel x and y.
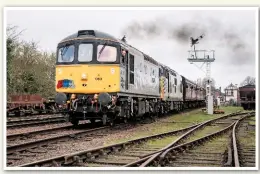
{"type": "Point", "coordinates": [88, 75]}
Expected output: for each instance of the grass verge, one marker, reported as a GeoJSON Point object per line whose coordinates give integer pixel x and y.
{"type": "Point", "coordinates": [170, 123]}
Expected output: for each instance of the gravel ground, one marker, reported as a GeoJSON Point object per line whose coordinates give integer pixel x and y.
{"type": "Point", "coordinates": [54, 133]}
{"type": "Point", "coordinates": [70, 146]}
{"type": "Point", "coordinates": [31, 129]}
{"type": "Point", "coordinates": [42, 127]}
{"type": "Point", "coordinates": [110, 137]}
{"type": "Point", "coordinates": [34, 117]}
{"type": "Point", "coordinates": [48, 126]}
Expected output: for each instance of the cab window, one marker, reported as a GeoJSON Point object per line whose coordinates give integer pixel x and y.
{"type": "Point", "coordinates": [66, 53]}
{"type": "Point", "coordinates": [85, 52]}
{"type": "Point", "coordinates": [106, 53]}
{"type": "Point", "coordinates": [123, 56]}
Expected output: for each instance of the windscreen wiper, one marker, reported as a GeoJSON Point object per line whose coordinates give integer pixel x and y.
{"type": "Point", "coordinates": [102, 49]}
{"type": "Point", "coordinates": [64, 50]}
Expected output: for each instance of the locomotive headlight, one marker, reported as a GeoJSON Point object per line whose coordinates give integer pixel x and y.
{"type": "Point", "coordinates": [96, 96]}
{"type": "Point", "coordinates": [84, 76]}
{"type": "Point", "coordinates": [73, 96]}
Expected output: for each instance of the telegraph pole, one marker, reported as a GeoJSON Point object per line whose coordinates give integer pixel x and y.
{"type": "Point", "coordinates": [205, 57]}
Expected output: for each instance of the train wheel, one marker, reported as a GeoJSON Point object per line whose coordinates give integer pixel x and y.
{"type": "Point", "coordinates": [125, 120]}
{"type": "Point", "coordinates": [152, 116]}
{"type": "Point", "coordinates": [17, 113]}
{"type": "Point", "coordinates": [156, 110]}
{"type": "Point", "coordinates": [111, 123]}
{"type": "Point", "coordinates": [161, 111]}
{"type": "Point", "coordinates": [75, 122]}
{"type": "Point", "coordinates": [112, 120]}
{"type": "Point", "coordinates": [104, 119]}
{"type": "Point", "coordinates": [92, 121]}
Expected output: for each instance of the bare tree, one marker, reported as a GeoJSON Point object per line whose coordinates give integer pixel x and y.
{"type": "Point", "coordinates": [248, 81]}
{"type": "Point", "coordinates": [12, 33]}
{"type": "Point", "coordinates": [199, 82]}
{"type": "Point", "coordinates": [205, 82]}
{"type": "Point", "coordinates": [29, 71]}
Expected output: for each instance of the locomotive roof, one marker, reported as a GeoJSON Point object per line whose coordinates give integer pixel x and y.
{"type": "Point", "coordinates": [89, 34]}
{"type": "Point", "coordinates": [102, 35]}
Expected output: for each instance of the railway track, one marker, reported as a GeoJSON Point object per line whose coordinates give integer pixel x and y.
{"type": "Point", "coordinates": [21, 141]}
{"type": "Point", "coordinates": [35, 121]}
{"type": "Point", "coordinates": [40, 139]}
{"type": "Point", "coordinates": [11, 116]}
{"type": "Point", "coordinates": [33, 136]}
{"type": "Point", "coordinates": [55, 134]}
{"type": "Point", "coordinates": [148, 154]}
{"type": "Point", "coordinates": [18, 137]}
{"type": "Point", "coordinates": [244, 143]}
{"type": "Point", "coordinates": [38, 143]}
{"type": "Point", "coordinates": [37, 147]}
{"type": "Point", "coordinates": [210, 150]}
{"type": "Point", "coordinates": [130, 153]}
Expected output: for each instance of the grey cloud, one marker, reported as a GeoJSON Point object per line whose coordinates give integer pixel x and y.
{"type": "Point", "coordinates": [223, 35]}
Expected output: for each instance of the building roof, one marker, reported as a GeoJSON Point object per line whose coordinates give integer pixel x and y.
{"type": "Point", "coordinates": [248, 86]}
{"type": "Point", "coordinates": [231, 86]}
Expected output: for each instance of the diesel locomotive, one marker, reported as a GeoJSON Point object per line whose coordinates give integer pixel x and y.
{"type": "Point", "coordinates": [100, 77]}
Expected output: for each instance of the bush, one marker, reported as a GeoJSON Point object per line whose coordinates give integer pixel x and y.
{"type": "Point", "coordinates": [29, 71]}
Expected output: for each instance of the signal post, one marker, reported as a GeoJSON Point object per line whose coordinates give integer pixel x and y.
{"type": "Point", "coordinates": [205, 57]}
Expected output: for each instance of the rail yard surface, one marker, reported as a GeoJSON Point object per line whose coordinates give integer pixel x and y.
{"type": "Point", "coordinates": [141, 144]}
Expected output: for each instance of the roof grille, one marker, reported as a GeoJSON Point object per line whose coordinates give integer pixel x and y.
{"type": "Point", "coordinates": [86, 32]}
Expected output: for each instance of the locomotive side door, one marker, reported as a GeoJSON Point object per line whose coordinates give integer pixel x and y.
{"type": "Point", "coordinates": [124, 62]}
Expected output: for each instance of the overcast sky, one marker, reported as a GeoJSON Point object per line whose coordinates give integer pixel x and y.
{"type": "Point", "coordinates": [164, 35]}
